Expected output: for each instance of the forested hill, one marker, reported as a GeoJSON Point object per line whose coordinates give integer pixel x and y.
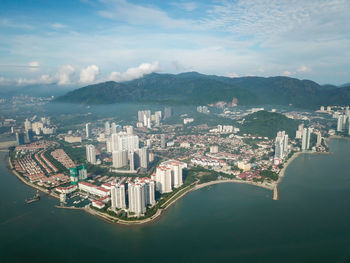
{"type": "Point", "coordinates": [267, 124]}
{"type": "Point", "coordinates": [195, 88]}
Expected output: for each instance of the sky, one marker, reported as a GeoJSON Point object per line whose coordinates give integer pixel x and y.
{"type": "Point", "coordinates": [89, 41]}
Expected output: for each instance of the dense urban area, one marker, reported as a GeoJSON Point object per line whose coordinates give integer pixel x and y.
{"type": "Point", "coordinates": [128, 171]}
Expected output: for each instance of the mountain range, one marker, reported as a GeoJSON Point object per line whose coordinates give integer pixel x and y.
{"type": "Point", "coordinates": [199, 89]}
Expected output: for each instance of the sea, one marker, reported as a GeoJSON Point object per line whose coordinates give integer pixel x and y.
{"type": "Point", "coordinates": [221, 223]}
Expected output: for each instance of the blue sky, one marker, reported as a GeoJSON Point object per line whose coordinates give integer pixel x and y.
{"type": "Point", "coordinates": [88, 41]}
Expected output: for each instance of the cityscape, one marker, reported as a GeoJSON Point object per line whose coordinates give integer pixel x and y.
{"type": "Point", "coordinates": [175, 131]}
{"type": "Point", "coordinates": [129, 174]}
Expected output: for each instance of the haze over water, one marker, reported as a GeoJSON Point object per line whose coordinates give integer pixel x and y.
{"type": "Point", "coordinates": [223, 223]}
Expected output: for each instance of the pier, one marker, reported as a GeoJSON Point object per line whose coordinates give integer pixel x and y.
{"type": "Point", "coordinates": [275, 193]}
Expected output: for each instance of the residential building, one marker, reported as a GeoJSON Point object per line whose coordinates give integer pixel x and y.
{"type": "Point", "coordinates": [118, 196]}
{"type": "Point", "coordinates": [91, 153]}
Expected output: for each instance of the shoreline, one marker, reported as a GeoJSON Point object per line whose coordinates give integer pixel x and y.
{"type": "Point", "coordinates": [161, 211]}
{"type": "Point", "coordinates": [11, 169]}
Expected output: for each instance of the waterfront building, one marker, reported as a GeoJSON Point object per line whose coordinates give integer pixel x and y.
{"type": "Point", "coordinates": [77, 173]}
{"type": "Point", "coordinates": [93, 189]}
{"type": "Point", "coordinates": [91, 153]}
{"type": "Point", "coordinates": [120, 158]}
{"type": "Point", "coordinates": [88, 130]}
{"type": "Point", "coordinates": [319, 138]}
{"type": "Point", "coordinates": [169, 175]}
{"type": "Point", "coordinates": [281, 146]}
{"type": "Point", "coordinates": [118, 196]}
{"type": "Point", "coordinates": [149, 190]}
{"type": "Point", "coordinates": [340, 123]}
{"type": "Point", "coordinates": [305, 143]}
{"type": "Point", "coordinates": [136, 198]}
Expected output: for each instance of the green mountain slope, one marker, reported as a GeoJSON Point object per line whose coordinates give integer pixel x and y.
{"type": "Point", "coordinates": [195, 88]}
{"type": "Point", "coordinates": [267, 124]}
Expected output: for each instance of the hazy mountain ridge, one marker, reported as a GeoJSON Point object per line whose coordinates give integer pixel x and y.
{"type": "Point", "coordinates": [195, 88]}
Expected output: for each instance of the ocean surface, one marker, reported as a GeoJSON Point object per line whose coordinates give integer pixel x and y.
{"type": "Point", "coordinates": [222, 223]}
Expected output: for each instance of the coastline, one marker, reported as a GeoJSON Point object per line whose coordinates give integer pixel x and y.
{"type": "Point", "coordinates": [161, 211]}
{"type": "Point", "coordinates": [11, 169]}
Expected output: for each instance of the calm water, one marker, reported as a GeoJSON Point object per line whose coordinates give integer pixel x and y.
{"type": "Point", "coordinates": [223, 223]}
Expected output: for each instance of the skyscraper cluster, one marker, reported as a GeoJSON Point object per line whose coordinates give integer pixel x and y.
{"type": "Point", "coordinates": [140, 193]}
{"type": "Point", "coordinates": [168, 176]}
{"type": "Point", "coordinates": [281, 145]}
{"type": "Point", "coordinates": [146, 118]}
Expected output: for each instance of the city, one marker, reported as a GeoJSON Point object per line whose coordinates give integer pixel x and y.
{"type": "Point", "coordinates": [128, 174]}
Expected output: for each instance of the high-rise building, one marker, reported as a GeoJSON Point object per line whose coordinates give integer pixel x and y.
{"type": "Point", "coordinates": [91, 153]}
{"type": "Point", "coordinates": [305, 141]}
{"type": "Point", "coordinates": [88, 130]}
{"type": "Point", "coordinates": [167, 113]}
{"type": "Point", "coordinates": [129, 130]}
{"type": "Point", "coordinates": [319, 138]}
{"type": "Point", "coordinates": [169, 175]}
{"type": "Point", "coordinates": [136, 198]}
{"type": "Point", "coordinates": [77, 173]}
{"type": "Point", "coordinates": [118, 196]}
{"type": "Point", "coordinates": [340, 123]}
{"type": "Point", "coordinates": [162, 141]}
{"type": "Point", "coordinates": [122, 141]}
{"type": "Point", "coordinates": [109, 145]}
{"type": "Point", "coordinates": [149, 190]}
{"type": "Point", "coordinates": [131, 157]}
{"type": "Point", "coordinates": [120, 159]}
{"type": "Point", "coordinates": [19, 138]}
{"type": "Point", "coordinates": [299, 132]}
{"type": "Point", "coordinates": [281, 146]}
{"type": "Point", "coordinates": [107, 128]}
{"type": "Point", "coordinates": [29, 135]}
{"type": "Point", "coordinates": [27, 125]}
{"type": "Point", "coordinates": [143, 157]}
{"type": "Point", "coordinates": [113, 127]}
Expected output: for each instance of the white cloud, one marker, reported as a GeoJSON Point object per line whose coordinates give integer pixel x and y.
{"type": "Point", "coordinates": [304, 69]}
{"type": "Point", "coordinates": [89, 73]}
{"type": "Point", "coordinates": [144, 15]}
{"type": "Point", "coordinates": [64, 74]}
{"type": "Point", "coordinates": [286, 73]}
{"type": "Point", "coordinates": [232, 75]}
{"type": "Point", "coordinates": [34, 64]}
{"type": "Point", "coordinates": [135, 72]}
{"type": "Point", "coordinates": [188, 6]}
{"type": "Point", "coordinates": [58, 26]}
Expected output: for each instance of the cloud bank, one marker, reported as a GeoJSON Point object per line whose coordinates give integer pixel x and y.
{"type": "Point", "coordinates": [88, 74]}
{"type": "Point", "coordinates": [136, 72]}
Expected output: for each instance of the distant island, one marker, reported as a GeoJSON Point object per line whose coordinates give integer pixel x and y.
{"type": "Point", "coordinates": [193, 88]}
